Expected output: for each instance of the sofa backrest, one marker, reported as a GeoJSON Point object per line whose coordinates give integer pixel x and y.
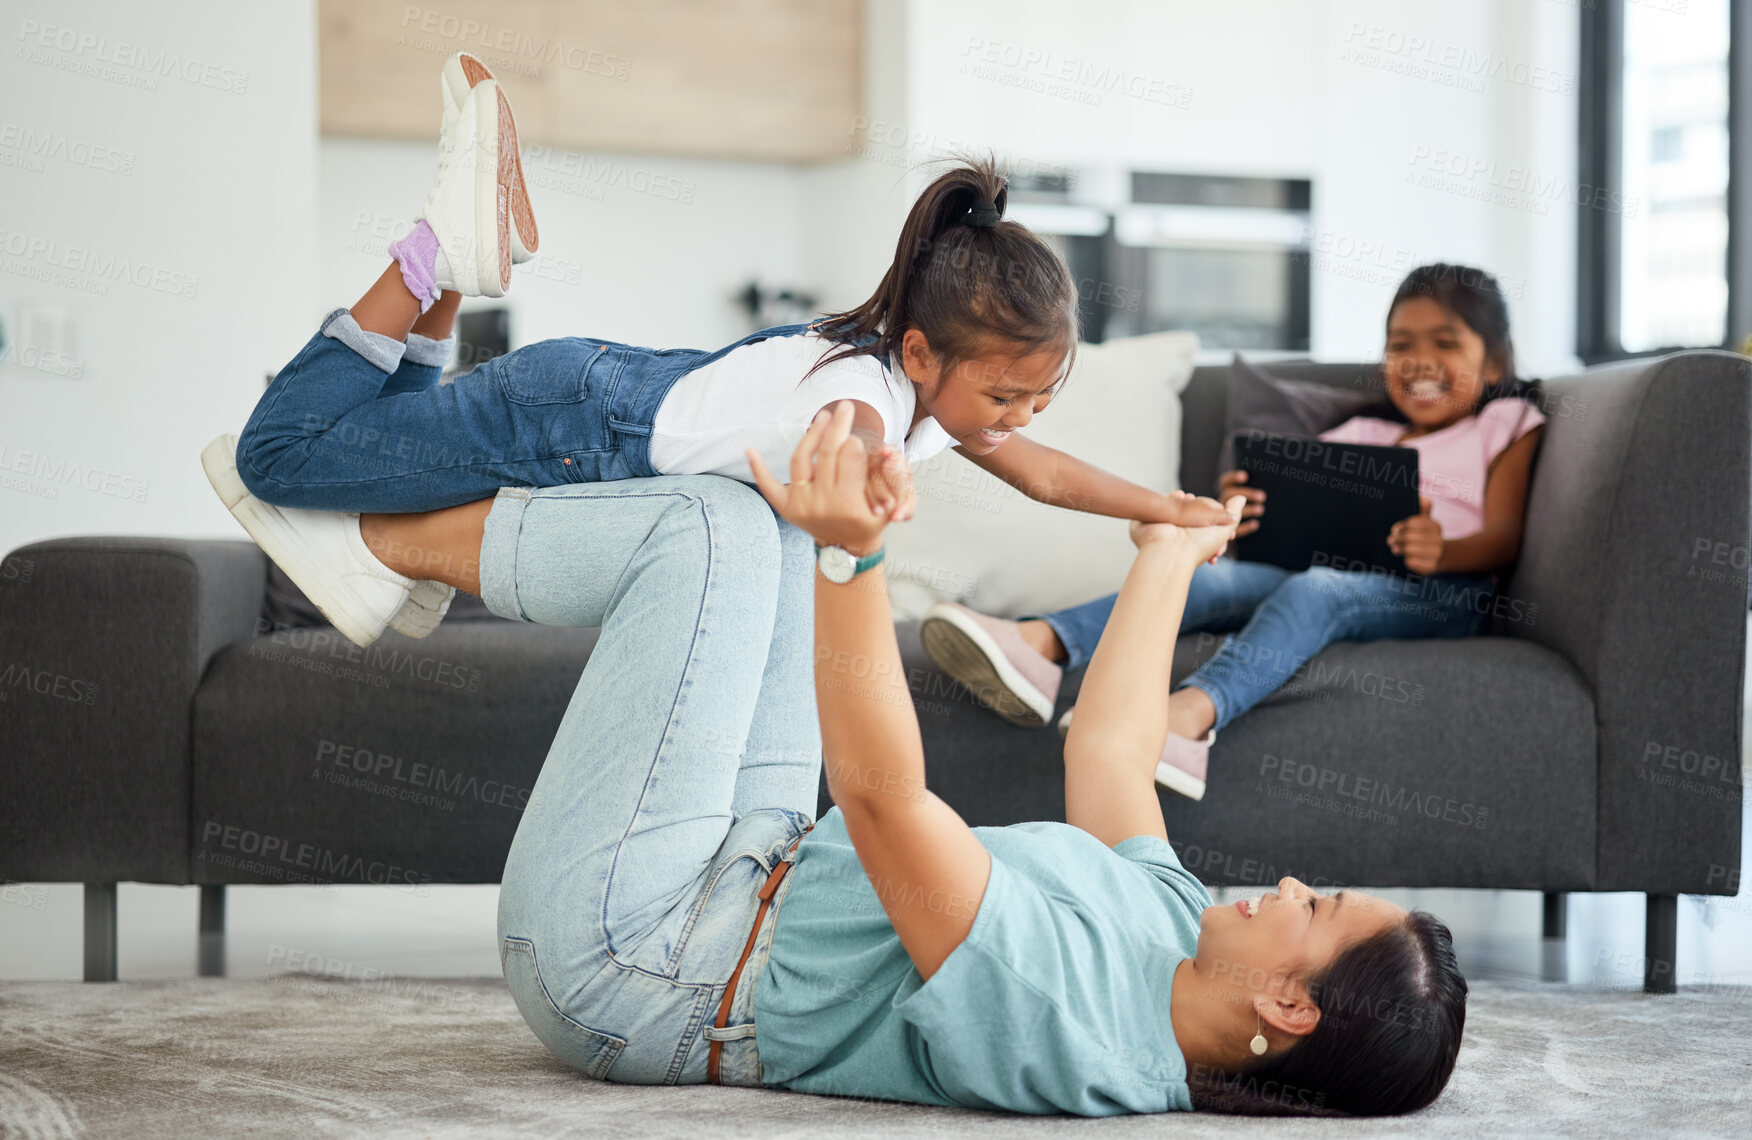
{"type": "Point", "coordinates": [1204, 402]}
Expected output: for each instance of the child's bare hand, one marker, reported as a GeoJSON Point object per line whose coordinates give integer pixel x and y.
{"type": "Point", "coordinates": [1418, 540]}
{"type": "Point", "coordinates": [889, 484]}
{"type": "Point", "coordinates": [1235, 483]}
{"type": "Point", "coordinates": [1184, 509]}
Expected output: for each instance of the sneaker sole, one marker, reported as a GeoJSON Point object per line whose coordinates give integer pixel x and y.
{"type": "Point", "coordinates": [1175, 780]}
{"type": "Point", "coordinates": [469, 71]}
{"type": "Point", "coordinates": [504, 178]}
{"type": "Point", "coordinates": [424, 609]}
{"type": "Point", "coordinates": [280, 542]}
{"type": "Point", "coordinates": [970, 657]}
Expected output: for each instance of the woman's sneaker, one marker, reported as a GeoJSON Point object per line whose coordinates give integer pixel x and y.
{"type": "Point", "coordinates": [989, 657]}
{"type": "Point", "coordinates": [1184, 762]}
{"type": "Point", "coordinates": [461, 73]}
{"type": "Point", "coordinates": [321, 551]}
{"type": "Point", "coordinates": [427, 603]}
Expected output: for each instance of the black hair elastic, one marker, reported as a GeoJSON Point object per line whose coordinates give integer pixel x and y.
{"type": "Point", "coordinates": [983, 214]}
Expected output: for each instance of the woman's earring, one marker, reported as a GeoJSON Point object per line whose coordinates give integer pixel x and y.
{"type": "Point", "coordinates": [1258, 1044]}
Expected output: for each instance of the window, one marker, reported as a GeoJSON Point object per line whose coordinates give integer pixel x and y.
{"type": "Point", "coordinates": [1657, 266]}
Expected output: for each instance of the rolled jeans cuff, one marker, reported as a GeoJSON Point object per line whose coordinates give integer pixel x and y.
{"type": "Point", "coordinates": [499, 538]}
{"type": "Point", "coordinates": [1076, 655]}
{"type": "Point", "coordinates": [383, 353]}
{"type": "Point", "coordinates": [425, 350]}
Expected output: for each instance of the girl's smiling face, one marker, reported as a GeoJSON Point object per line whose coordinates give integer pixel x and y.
{"type": "Point", "coordinates": [981, 400]}
{"type": "Point", "coordinates": [1436, 367]}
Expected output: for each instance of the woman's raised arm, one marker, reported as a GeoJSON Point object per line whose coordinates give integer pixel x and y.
{"type": "Point", "coordinates": [1122, 710]}
{"type": "Point", "coordinates": [926, 866]}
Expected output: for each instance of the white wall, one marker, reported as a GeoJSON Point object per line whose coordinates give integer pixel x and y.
{"type": "Point", "coordinates": [234, 191]}
{"type": "Point", "coordinates": [1346, 92]}
{"type": "Point", "coordinates": [171, 146]}
{"type": "Point", "coordinates": [635, 248]}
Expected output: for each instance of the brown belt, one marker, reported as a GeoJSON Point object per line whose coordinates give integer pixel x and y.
{"type": "Point", "coordinates": [716, 1051]}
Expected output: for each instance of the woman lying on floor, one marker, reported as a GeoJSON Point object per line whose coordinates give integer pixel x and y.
{"type": "Point", "coordinates": [650, 932]}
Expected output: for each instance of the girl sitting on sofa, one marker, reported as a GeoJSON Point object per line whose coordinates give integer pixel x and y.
{"type": "Point", "coordinates": [1452, 393]}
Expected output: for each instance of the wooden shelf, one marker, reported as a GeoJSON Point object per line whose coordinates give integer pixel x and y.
{"type": "Point", "coordinates": [751, 79]}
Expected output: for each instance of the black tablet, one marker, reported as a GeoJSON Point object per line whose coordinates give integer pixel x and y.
{"type": "Point", "coordinates": [1326, 504]}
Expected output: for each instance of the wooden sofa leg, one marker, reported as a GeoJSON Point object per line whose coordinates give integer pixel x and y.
{"type": "Point", "coordinates": [212, 948]}
{"type": "Point", "coordinates": [1555, 924]}
{"type": "Point", "coordinates": [1661, 945]}
{"type": "Point", "coordinates": [100, 932]}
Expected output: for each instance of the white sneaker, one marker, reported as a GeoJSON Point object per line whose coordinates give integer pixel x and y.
{"type": "Point", "coordinates": [459, 76]}
{"type": "Point", "coordinates": [469, 208]}
{"type": "Point", "coordinates": [321, 551]}
{"type": "Point", "coordinates": [426, 605]}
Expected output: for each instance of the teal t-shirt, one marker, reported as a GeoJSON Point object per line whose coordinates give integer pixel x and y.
{"type": "Point", "coordinates": [1056, 1002]}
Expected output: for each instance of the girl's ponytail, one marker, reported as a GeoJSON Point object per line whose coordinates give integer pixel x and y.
{"type": "Point", "coordinates": [963, 277]}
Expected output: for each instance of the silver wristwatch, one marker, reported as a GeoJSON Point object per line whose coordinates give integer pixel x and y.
{"type": "Point", "coordinates": [839, 565]}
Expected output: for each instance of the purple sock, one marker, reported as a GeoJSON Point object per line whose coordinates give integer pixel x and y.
{"type": "Point", "coordinates": [417, 254]}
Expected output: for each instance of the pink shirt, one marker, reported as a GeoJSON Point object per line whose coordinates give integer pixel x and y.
{"type": "Point", "coordinates": [1453, 463]}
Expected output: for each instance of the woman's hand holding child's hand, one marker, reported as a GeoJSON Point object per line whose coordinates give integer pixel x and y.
{"type": "Point", "coordinates": [1235, 483]}
{"type": "Point", "coordinates": [1200, 543]}
{"type": "Point", "coordinates": [1418, 540]}
{"type": "Point", "coordinates": [830, 494]}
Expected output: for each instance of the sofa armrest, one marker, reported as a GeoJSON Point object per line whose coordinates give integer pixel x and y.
{"type": "Point", "coordinates": [102, 644]}
{"type": "Point", "coordinates": [1636, 557]}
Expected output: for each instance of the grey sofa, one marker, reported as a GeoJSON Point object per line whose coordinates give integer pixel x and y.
{"type": "Point", "coordinates": [153, 728]}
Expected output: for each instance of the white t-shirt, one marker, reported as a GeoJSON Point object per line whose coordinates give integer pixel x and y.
{"type": "Point", "coordinates": [755, 396]}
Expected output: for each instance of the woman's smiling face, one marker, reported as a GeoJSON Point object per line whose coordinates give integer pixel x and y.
{"type": "Point", "coordinates": [1269, 944]}
{"type": "Point", "coordinates": [1436, 367]}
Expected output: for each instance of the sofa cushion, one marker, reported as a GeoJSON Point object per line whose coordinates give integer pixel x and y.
{"type": "Point", "coordinates": [1462, 763]}
{"type": "Point", "coordinates": [1204, 404]}
{"type": "Point", "coordinates": [1260, 402]}
{"type": "Point", "coordinates": [407, 762]}
{"type": "Point", "coordinates": [1435, 763]}
{"type": "Point", "coordinates": [978, 540]}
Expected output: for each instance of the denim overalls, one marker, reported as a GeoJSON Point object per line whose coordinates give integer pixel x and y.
{"type": "Point", "coordinates": [339, 429]}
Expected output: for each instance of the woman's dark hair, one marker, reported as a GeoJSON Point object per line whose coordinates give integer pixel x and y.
{"type": "Point", "coordinates": [1392, 1008]}
{"type": "Point", "coordinates": [962, 276]}
{"type": "Point", "coordinates": [1476, 298]}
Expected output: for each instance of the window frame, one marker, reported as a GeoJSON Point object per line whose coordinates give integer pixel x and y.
{"type": "Point", "coordinates": [1600, 157]}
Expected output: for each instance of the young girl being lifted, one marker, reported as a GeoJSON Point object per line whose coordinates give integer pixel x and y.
{"type": "Point", "coordinates": [965, 340]}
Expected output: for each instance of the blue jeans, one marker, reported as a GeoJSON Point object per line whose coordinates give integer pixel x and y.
{"type": "Point", "coordinates": [1285, 618]}
{"type": "Point", "coordinates": [332, 433]}
{"type": "Point", "coordinates": [686, 763]}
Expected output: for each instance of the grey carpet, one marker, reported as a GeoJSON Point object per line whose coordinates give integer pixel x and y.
{"type": "Point", "coordinates": [299, 1056]}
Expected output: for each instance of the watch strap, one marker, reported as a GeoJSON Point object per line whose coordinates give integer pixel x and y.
{"type": "Point", "coordinates": [867, 562]}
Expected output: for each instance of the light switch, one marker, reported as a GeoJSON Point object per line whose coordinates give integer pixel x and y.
{"type": "Point", "coordinates": [48, 339]}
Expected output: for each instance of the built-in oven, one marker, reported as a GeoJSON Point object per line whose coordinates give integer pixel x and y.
{"type": "Point", "coordinates": [1225, 257]}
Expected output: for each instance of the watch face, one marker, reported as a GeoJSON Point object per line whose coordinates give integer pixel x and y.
{"type": "Point", "coordinates": [837, 564]}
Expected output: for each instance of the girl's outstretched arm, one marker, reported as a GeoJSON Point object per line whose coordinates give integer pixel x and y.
{"type": "Point", "coordinates": [1048, 475]}
{"type": "Point", "coordinates": [928, 869]}
{"type": "Point", "coordinates": [1122, 711]}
